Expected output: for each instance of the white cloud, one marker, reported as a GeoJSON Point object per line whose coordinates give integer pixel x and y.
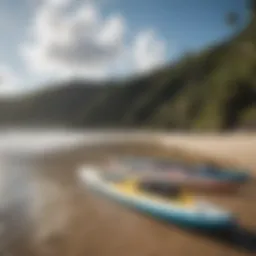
{"type": "Point", "coordinates": [148, 51]}
{"type": "Point", "coordinates": [66, 42]}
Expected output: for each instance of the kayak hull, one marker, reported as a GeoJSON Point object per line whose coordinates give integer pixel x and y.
{"type": "Point", "coordinates": [181, 217]}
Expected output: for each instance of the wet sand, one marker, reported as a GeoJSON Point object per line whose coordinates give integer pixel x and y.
{"type": "Point", "coordinates": [46, 211]}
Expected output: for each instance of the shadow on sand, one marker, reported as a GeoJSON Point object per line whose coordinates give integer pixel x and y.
{"type": "Point", "coordinates": [236, 237]}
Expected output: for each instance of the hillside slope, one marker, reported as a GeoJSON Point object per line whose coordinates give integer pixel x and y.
{"type": "Point", "coordinates": [211, 90]}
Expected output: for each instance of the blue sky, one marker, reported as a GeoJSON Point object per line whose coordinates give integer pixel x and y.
{"type": "Point", "coordinates": [175, 26]}
{"type": "Point", "coordinates": [184, 24]}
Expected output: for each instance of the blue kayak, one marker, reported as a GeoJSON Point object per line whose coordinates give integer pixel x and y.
{"type": "Point", "coordinates": [177, 207]}
{"type": "Point", "coordinates": [203, 170]}
{"type": "Point", "coordinates": [222, 174]}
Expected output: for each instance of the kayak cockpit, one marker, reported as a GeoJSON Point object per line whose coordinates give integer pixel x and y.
{"type": "Point", "coordinates": [162, 189]}
{"type": "Point", "coordinates": [153, 190]}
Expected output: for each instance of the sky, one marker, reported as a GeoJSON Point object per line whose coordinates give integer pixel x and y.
{"type": "Point", "coordinates": [45, 40]}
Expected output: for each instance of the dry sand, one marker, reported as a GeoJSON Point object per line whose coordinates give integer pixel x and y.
{"type": "Point", "coordinates": [236, 149]}
{"type": "Point", "coordinates": [60, 217]}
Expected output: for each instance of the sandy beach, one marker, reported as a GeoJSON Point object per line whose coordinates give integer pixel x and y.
{"type": "Point", "coordinates": [45, 210]}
